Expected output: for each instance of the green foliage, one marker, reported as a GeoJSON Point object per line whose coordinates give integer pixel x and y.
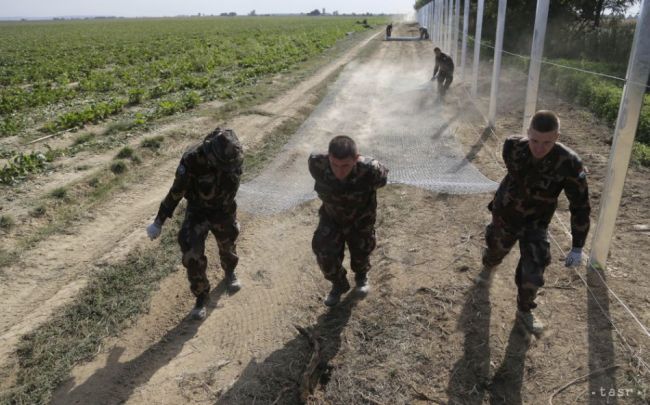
{"type": "Point", "coordinates": [119, 167]}
{"type": "Point", "coordinates": [191, 100]}
{"type": "Point", "coordinates": [136, 96]}
{"type": "Point", "coordinates": [600, 95]}
{"type": "Point", "coordinates": [92, 114]}
{"type": "Point", "coordinates": [128, 153]}
{"type": "Point", "coordinates": [641, 154]}
{"type": "Point", "coordinates": [10, 126]}
{"type": "Point", "coordinates": [87, 71]}
{"type": "Point", "coordinates": [20, 166]}
{"type": "Point", "coordinates": [153, 143]}
{"type": "Point", "coordinates": [7, 223]}
{"type": "Point", "coordinates": [125, 153]}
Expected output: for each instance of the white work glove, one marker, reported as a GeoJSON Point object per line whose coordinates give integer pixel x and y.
{"type": "Point", "coordinates": [574, 258]}
{"type": "Point", "coordinates": [153, 230]}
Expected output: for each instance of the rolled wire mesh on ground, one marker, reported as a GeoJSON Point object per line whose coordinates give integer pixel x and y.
{"type": "Point", "coordinates": [390, 109]}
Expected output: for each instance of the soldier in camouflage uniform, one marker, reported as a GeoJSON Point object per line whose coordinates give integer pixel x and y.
{"type": "Point", "coordinates": [443, 71]}
{"type": "Point", "coordinates": [208, 177]}
{"type": "Point", "coordinates": [539, 168]}
{"type": "Point", "coordinates": [347, 184]}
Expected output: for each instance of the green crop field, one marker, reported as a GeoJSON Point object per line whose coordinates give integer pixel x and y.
{"type": "Point", "coordinates": [60, 75]}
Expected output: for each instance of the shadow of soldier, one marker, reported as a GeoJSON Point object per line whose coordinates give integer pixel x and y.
{"type": "Point", "coordinates": [470, 375]}
{"type": "Point", "coordinates": [277, 379]}
{"type": "Point", "coordinates": [116, 381]}
{"type": "Point", "coordinates": [508, 379]}
{"type": "Point", "coordinates": [602, 357]}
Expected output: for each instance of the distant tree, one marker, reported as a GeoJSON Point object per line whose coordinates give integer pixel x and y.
{"type": "Point", "coordinates": [252, 13]}
{"type": "Point", "coordinates": [421, 3]}
{"type": "Point", "coordinates": [232, 14]}
{"type": "Point", "coordinates": [314, 12]}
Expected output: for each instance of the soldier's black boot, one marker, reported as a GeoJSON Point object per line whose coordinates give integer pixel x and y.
{"type": "Point", "coordinates": [338, 288]}
{"type": "Point", "coordinates": [531, 322]}
{"type": "Point", "coordinates": [525, 306]}
{"type": "Point", "coordinates": [199, 311]}
{"type": "Point", "coordinates": [232, 282]}
{"type": "Point", "coordinates": [361, 279]}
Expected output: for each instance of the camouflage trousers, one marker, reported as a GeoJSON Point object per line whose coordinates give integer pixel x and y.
{"type": "Point", "coordinates": [329, 242]}
{"type": "Point", "coordinates": [444, 81]}
{"type": "Point", "coordinates": [535, 255]}
{"type": "Point", "coordinates": [191, 238]}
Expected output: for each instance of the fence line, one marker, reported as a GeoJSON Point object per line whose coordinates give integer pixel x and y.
{"type": "Point", "coordinates": [547, 62]}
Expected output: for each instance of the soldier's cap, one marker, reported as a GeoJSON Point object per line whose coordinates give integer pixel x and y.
{"type": "Point", "coordinates": [223, 149]}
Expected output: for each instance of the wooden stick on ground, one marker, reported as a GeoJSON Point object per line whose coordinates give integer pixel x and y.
{"type": "Point", "coordinates": [579, 379]}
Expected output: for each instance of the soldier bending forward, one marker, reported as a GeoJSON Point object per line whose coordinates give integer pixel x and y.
{"type": "Point", "coordinates": [208, 177]}
{"type": "Point", "coordinates": [347, 184]}
{"type": "Point", "coordinates": [539, 168]}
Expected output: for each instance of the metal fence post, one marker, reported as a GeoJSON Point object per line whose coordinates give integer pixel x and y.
{"type": "Point", "coordinates": [456, 29]}
{"type": "Point", "coordinates": [496, 69]}
{"type": "Point", "coordinates": [464, 46]}
{"type": "Point", "coordinates": [638, 69]}
{"type": "Point", "coordinates": [477, 46]}
{"type": "Point", "coordinates": [536, 53]}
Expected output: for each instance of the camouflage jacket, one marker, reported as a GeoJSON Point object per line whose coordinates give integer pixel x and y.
{"type": "Point", "coordinates": [207, 176]}
{"type": "Point", "coordinates": [528, 194]}
{"type": "Point", "coordinates": [353, 201]}
{"type": "Point", "coordinates": [444, 64]}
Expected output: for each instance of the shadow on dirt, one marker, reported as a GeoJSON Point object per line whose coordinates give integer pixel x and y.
{"type": "Point", "coordinates": [601, 345]}
{"type": "Point", "coordinates": [471, 374]}
{"type": "Point", "coordinates": [508, 379]}
{"type": "Point", "coordinates": [116, 382]}
{"type": "Point", "coordinates": [277, 378]}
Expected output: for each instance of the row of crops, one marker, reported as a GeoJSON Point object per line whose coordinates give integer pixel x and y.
{"type": "Point", "coordinates": [59, 75]}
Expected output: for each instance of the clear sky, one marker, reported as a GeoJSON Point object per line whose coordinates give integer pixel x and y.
{"type": "Point", "coordinates": [136, 8]}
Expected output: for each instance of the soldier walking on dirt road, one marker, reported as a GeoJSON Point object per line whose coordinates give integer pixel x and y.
{"type": "Point", "coordinates": [208, 177]}
{"type": "Point", "coordinates": [443, 71]}
{"type": "Point", "coordinates": [347, 184]}
{"type": "Point", "coordinates": [539, 168]}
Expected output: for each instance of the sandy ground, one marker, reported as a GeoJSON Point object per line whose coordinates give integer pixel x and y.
{"type": "Point", "coordinates": [426, 333]}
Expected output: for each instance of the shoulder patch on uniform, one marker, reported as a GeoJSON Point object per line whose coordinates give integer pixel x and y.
{"type": "Point", "coordinates": [582, 174]}
{"type": "Point", "coordinates": [181, 170]}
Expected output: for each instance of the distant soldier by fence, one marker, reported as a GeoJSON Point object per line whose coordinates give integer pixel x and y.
{"type": "Point", "coordinates": [443, 71]}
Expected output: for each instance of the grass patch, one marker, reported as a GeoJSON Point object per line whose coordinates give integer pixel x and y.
{"type": "Point", "coordinates": [641, 154]}
{"type": "Point", "coordinates": [125, 153]}
{"type": "Point", "coordinates": [7, 258]}
{"type": "Point", "coordinates": [119, 126]}
{"type": "Point", "coordinates": [104, 308]}
{"type": "Point", "coordinates": [7, 223]}
{"type": "Point", "coordinates": [60, 193]}
{"type": "Point", "coordinates": [38, 212]}
{"type": "Point", "coordinates": [153, 143]}
{"type": "Point", "coordinates": [83, 138]}
{"type": "Point", "coordinates": [118, 167]}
